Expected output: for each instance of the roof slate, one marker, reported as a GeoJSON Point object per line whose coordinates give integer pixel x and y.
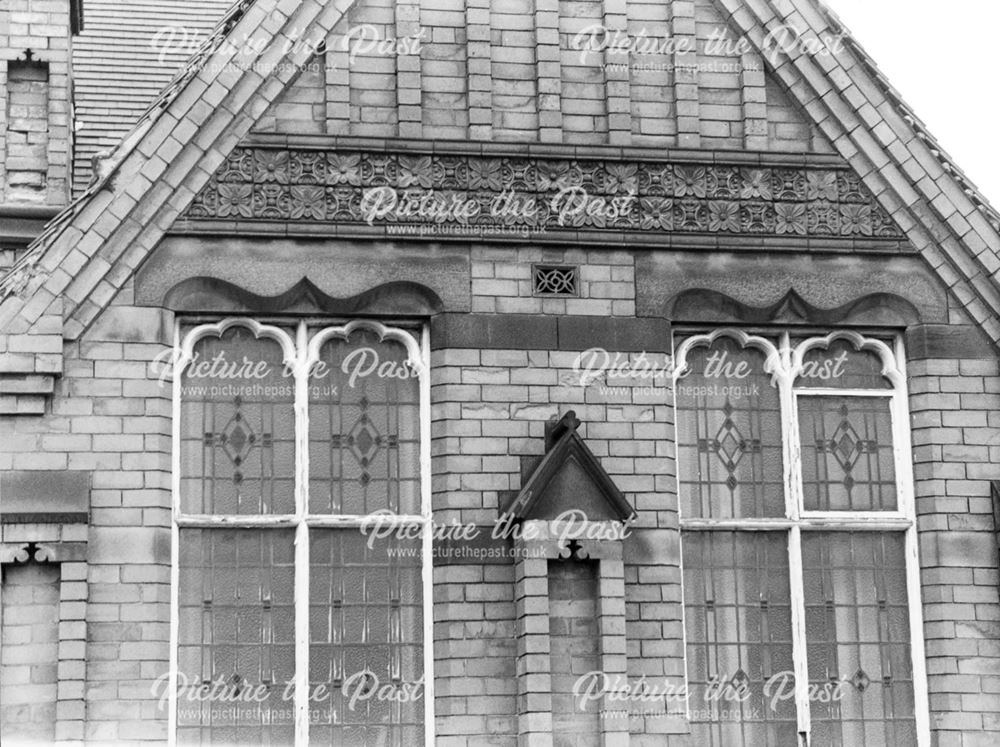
{"type": "Point", "coordinates": [127, 53]}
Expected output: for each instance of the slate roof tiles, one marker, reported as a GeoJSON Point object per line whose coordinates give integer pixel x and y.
{"type": "Point", "coordinates": [127, 53]}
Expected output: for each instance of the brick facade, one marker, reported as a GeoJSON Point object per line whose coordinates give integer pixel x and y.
{"type": "Point", "coordinates": [111, 418]}
{"type": "Point", "coordinates": [590, 90]}
{"type": "Point", "coordinates": [35, 106]}
{"type": "Point", "coordinates": [953, 404]}
{"type": "Point", "coordinates": [194, 228]}
{"type": "Point", "coordinates": [30, 653]}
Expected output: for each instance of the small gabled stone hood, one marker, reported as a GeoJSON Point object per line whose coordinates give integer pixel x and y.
{"type": "Point", "coordinates": [569, 478]}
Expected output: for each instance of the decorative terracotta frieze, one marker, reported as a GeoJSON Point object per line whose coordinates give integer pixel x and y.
{"type": "Point", "coordinates": [548, 195]}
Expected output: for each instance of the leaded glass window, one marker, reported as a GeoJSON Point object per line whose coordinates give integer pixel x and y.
{"type": "Point", "coordinates": [739, 629]}
{"type": "Point", "coordinates": [296, 623]}
{"type": "Point", "coordinates": [729, 435]}
{"type": "Point", "coordinates": [364, 444]}
{"type": "Point", "coordinates": [848, 462]}
{"type": "Point", "coordinates": [237, 428]}
{"type": "Point", "coordinates": [237, 626]}
{"type": "Point", "coordinates": [798, 542]}
{"type": "Point", "coordinates": [858, 634]}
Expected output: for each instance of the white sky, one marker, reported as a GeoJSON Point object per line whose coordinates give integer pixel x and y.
{"type": "Point", "coordinates": [943, 56]}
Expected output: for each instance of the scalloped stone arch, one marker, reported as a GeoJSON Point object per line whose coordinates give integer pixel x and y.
{"type": "Point", "coordinates": [704, 304]}
{"type": "Point", "coordinates": [214, 295]}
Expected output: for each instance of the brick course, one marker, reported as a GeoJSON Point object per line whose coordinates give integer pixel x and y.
{"type": "Point", "coordinates": [35, 133]}
{"type": "Point", "coordinates": [29, 653]}
{"type": "Point", "coordinates": [953, 455]}
{"type": "Point", "coordinates": [520, 71]}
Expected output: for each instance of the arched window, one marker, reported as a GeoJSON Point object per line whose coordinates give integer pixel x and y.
{"type": "Point", "coordinates": [801, 584]}
{"type": "Point", "coordinates": [297, 617]}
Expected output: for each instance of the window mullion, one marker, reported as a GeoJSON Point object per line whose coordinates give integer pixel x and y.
{"type": "Point", "coordinates": [789, 433]}
{"type": "Point", "coordinates": [793, 508]}
{"type": "Point", "coordinates": [798, 595]}
{"type": "Point", "coordinates": [301, 538]}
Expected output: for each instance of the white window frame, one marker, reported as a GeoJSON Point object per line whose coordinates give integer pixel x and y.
{"type": "Point", "coordinates": [784, 364]}
{"type": "Point", "coordinates": [301, 352]}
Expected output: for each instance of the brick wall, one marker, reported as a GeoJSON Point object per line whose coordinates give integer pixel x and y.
{"type": "Point", "coordinates": [118, 418]}
{"type": "Point", "coordinates": [788, 128]}
{"type": "Point", "coordinates": [373, 97]}
{"type": "Point", "coordinates": [954, 407]}
{"type": "Point", "coordinates": [514, 83]}
{"type": "Point", "coordinates": [111, 417]}
{"type": "Point", "coordinates": [719, 84]}
{"type": "Point", "coordinates": [530, 70]}
{"type": "Point", "coordinates": [444, 95]}
{"type": "Point", "coordinates": [584, 105]}
{"type": "Point", "coordinates": [475, 650]}
{"type": "Point", "coordinates": [27, 131]}
{"type": "Point", "coordinates": [489, 408]}
{"type": "Point", "coordinates": [7, 257]}
{"type": "Point", "coordinates": [575, 650]}
{"type": "Point", "coordinates": [502, 282]}
{"type": "Point", "coordinates": [652, 79]}
{"type": "Point", "coordinates": [35, 133]}
{"type": "Point", "coordinates": [29, 653]}
{"type": "Point", "coordinates": [302, 106]}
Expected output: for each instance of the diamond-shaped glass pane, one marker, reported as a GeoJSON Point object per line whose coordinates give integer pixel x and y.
{"type": "Point", "coordinates": [729, 445]}
{"type": "Point", "coordinates": [237, 428]}
{"type": "Point", "coordinates": [364, 441]}
{"type": "Point", "coordinates": [364, 429]}
{"type": "Point", "coordinates": [237, 438]}
{"type": "Point", "coordinates": [848, 462]}
{"type": "Point", "coordinates": [729, 435]}
{"type": "Point", "coordinates": [860, 681]}
{"type": "Point", "coordinates": [846, 446]}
